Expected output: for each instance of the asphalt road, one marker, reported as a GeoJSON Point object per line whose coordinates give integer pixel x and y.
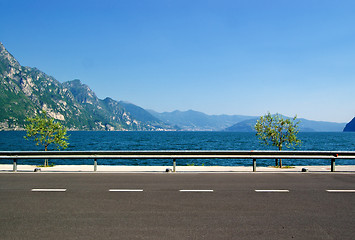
{"type": "Point", "coordinates": [152, 206]}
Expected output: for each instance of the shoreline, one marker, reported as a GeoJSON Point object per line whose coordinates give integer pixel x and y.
{"type": "Point", "coordinates": [156, 169]}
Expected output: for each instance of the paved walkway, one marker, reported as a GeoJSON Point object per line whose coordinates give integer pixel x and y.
{"type": "Point", "coordinates": [104, 168]}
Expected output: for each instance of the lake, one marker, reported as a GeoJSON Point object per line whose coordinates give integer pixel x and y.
{"type": "Point", "coordinates": [92, 140]}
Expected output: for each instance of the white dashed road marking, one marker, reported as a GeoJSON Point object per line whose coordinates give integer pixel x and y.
{"type": "Point", "coordinates": [190, 190]}
{"type": "Point", "coordinates": [125, 190]}
{"type": "Point", "coordinates": [341, 191]}
{"type": "Point", "coordinates": [273, 191]}
{"type": "Point", "coordinates": [49, 190]}
{"type": "Point", "coordinates": [193, 190]}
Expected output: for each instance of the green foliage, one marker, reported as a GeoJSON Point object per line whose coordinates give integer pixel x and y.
{"type": "Point", "coordinates": [3, 67]}
{"type": "Point", "coordinates": [277, 131]}
{"type": "Point", "coordinates": [14, 107]}
{"type": "Point", "coordinates": [285, 167]}
{"type": "Point", "coordinates": [193, 164]}
{"type": "Point", "coordinates": [45, 131]}
{"type": "Point", "coordinates": [48, 165]}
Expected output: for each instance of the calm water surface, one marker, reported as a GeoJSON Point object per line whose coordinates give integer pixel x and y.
{"type": "Point", "coordinates": [81, 141]}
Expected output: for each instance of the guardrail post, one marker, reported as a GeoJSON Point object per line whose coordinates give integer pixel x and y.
{"type": "Point", "coordinates": [174, 165]}
{"type": "Point", "coordinates": [254, 165]}
{"type": "Point", "coordinates": [332, 166]}
{"type": "Point", "coordinates": [95, 165]}
{"type": "Point", "coordinates": [14, 169]}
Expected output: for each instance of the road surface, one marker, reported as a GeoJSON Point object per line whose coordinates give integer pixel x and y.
{"type": "Point", "coordinates": [177, 206]}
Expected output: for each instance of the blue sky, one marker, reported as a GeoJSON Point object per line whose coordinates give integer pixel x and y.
{"type": "Point", "coordinates": [219, 57]}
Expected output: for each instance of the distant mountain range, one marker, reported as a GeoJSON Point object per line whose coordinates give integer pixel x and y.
{"type": "Point", "coordinates": [25, 91]}
{"type": "Point", "coordinates": [197, 121]}
{"type": "Point", "coordinates": [304, 126]}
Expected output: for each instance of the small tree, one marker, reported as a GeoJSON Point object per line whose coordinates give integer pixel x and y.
{"type": "Point", "coordinates": [277, 131]}
{"type": "Point", "coordinates": [45, 131]}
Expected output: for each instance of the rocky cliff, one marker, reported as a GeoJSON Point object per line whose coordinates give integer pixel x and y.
{"type": "Point", "coordinates": [25, 91]}
{"type": "Point", "coordinates": [114, 115]}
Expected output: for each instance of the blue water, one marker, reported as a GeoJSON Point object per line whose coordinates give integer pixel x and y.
{"type": "Point", "coordinates": [81, 141]}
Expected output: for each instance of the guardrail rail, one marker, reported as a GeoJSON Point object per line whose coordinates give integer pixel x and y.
{"type": "Point", "coordinates": [174, 155]}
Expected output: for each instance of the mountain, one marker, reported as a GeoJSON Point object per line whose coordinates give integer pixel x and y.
{"type": "Point", "coordinates": [350, 127]}
{"type": "Point", "coordinates": [26, 91]}
{"type": "Point", "coordinates": [111, 114]}
{"type": "Point", "coordinates": [304, 126]}
{"type": "Point", "coordinates": [197, 121]}
{"type": "Point", "coordinates": [243, 126]}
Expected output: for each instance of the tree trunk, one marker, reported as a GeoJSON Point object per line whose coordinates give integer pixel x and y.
{"type": "Point", "coordinates": [280, 160]}
{"type": "Point", "coordinates": [276, 162]}
{"type": "Point", "coordinates": [45, 160]}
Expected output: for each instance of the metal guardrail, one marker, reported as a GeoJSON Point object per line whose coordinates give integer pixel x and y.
{"type": "Point", "coordinates": [174, 155]}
